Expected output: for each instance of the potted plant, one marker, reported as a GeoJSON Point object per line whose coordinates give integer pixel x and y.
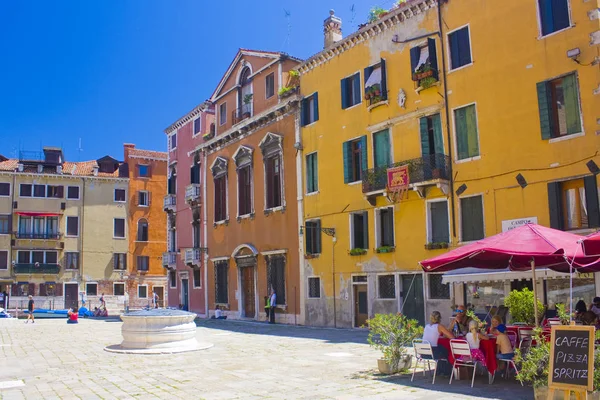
{"type": "Point", "coordinates": [208, 136]}
{"type": "Point", "coordinates": [375, 13]}
{"type": "Point", "coordinates": [391, 334]}
{"type": "Point", "coordinates": [247, 101]}
{"type": "Point", "coordinates": [358, 252]}
{"type": "Point", "coordinates": [427, 82]}
{"type": "Point", "coordinates": [520, 305]}
{"type": "Point", "coordinates": [385, 249]}
{"type": "Point", "coordinates": [376, 89]}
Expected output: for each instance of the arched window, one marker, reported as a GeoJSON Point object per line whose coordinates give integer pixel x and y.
{"type": "Point", "coordinates": [244, 77]}
{"type": "Point", "coordinates": [142, 233]}
{"type": "Point", "coordinates": [244, 95]}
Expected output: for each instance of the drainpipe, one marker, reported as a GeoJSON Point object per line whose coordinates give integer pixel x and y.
{"type": "Point", "coordinates": [204, 216]}
{"type": "Point", "coordinates": [334, 242]}
{"type": "Point", "coordinates": [300, 200]}
{"type": "Point", "coordinates": [81, 233]}
{"type": "Point", "coordinates": [447, 107]}
{"type": "Point", "coordinates": [12, 211]}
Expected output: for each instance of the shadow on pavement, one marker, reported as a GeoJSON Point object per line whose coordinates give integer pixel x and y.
{"type": "Point", "coordinates": [329, 335]}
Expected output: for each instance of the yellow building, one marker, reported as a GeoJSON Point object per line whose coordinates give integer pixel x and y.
{"type": "Point", "coordinates": [467, 105]}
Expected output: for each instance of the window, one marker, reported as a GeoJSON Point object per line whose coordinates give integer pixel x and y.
{"type": "Point", "coordinates": [382, 149]}
{"type": "Point", "coordinates": [22, 289]}
{"type": "Point", "coordinates": [222, 114]}
{"type": "Point", "coordinates": [197, 281]}
{"type": "Point", "coordinates": [3, 259]}
{"type": "Point", "coordinates": [197, 126]}
{"type": "Point", "coordinates": [274, 178]}
{"type": "Point", "coordinates": [172, 279]}
{"type": "Point", "coordinates": [313, 237]}
{"type": "Point", "coordinates": [143, 263]}
{"type": "Point", "coordinates": [56, 192]}
{"type": "Point", "coordinates": [471, 218]}
{"type": "Point", "coordinates": [437, 289]}
{"type": "Point", "coordinates": [432, 143]}
{"type": "Point", "coordinates": [467, 140]}
{"type": "Point", "coordinates": [23, 257]}
{"type": "Point", "coordinates": [460, 48]}
{"type": "Point", "coordinates": [196, 233]}
{"type": "Point", "coordinates": [143, 291]}
{"type": "Point", "coordinates": [355, 159]}
{"type": "Point", "coordinates": [118, 289]}
{"type": "Point", "coordinates": [173, 141]}
{"type": "Point", "coordinates": [25, 227]}
{"type": "Point", "coordinates": [48, 289]}
{"type": "Point", "coordinates": [142, 233]}
{"type": "Point", "coordinates": [376, 83]}
{"type": "Point", "coordinates": [276, 276]}
{"type": "Point", "coordinates": [119, 228]}
{"type": "Point", "coordinates": [423, 62]}
{"type": "Point", "coordinates": [37, 257]}
{"type": "Point", "coordinates": [52, 227]}
{"type": "Point", "coordinates": [309, 111]}
{"type": "Point", "coordinates": [120, 195]}
{"type": "Point", "coordinates": [25, 190]}
{"type": "Point", "coordinates": [91, 289]}
{"type": "Point", "coordinates": [360, 230]}
{"type": "Point", "coordinates": [143, 198]}
{"type": "Point", "coordinates": [312, 173]}
{"type": "Point", "coordinates": [51, 257]}
{"type": "Point", "coordinates": [270, 85]}
{"type": "Point", "coordinates": [314, 287]}
{"type": "Point", "coordinates": [386, 286]}
{"type": "Point", "coordinates": [72, 226]}
{"type": "Point", "coordinates": [244, 190]}
{"type": "Point", "coordinates": [194, 174]}
{"type": "Point", "coordinates": [144, 171]}
{"type": "Point", "coordinates": [220, 198]}
{"type": "Point", "coordinates": [351, 90]}
{"type": "Point", "coordinates": [39, 191]}
{"type": "Point", "coordinates": [554, 15]}
{"type": "Point", "coordinates": [574, 204]}
{"type": "Point", "coordinates": [72, 192]}
{"type": "Point", "coordinates": [71, 260]}
{"type": "Point", "coordinates": [4, 189]}
{"type": "Point", "coordinates": [558, 102]}
{"type": "Point", "coordinates": [221, 282]}
{"type": "Point", "coordinates": [385, 225]}
{"type": "Point", "coordinates": [438, 223]}
{"type": "Point", "coordinates": [5, 224]}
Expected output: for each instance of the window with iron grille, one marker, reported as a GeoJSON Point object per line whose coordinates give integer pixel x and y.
{"type": "Point", "coordinates": [276, 276]}
{"type": "Point", "coordinates": [437, 289]}
{"type": "Point", "coordinates": [221, 281]}
{"type": "Point", "coordinates": [314, 288]}
{"type": "Point", "coordinates": [387, 286]}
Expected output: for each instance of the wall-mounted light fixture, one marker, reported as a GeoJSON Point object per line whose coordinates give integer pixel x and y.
{"type": "Point", "coordinates": [521, 180]}
{"type": "Point", "coordinates": [461, 189]}
{"type": "Point", "coordinates": [573, 53]}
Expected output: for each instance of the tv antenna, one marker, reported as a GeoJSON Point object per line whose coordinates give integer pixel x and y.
{"type": "Point", "coordinates": [79, 151]}
{"type": "Point", "coordinates": [353, 13]}
{"type": "Point", "coordinates": [288, 16]}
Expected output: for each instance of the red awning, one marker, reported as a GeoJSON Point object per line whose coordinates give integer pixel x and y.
{"type": "Point", "coordinates": [591, 244]}
{"type": "Point", "coordinates": [37, 214]}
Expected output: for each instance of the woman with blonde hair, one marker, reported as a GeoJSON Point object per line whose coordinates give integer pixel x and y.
{"type": "Point", "coordinates": [431, 334]}
{"type": "Point", "coordinates": [473, 338]}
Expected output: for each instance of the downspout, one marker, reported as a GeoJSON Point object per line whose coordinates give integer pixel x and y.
{"type": "Point", "coordinates": [204, 216]}
{"type": "Point", "coordinates": [300, 199]}
{"type": "Point", "coordinates": [447, 107]}
{"type": "Point", "coordinates": [81, 234]}
{"type": "Point", "coordinates": [12, 211]}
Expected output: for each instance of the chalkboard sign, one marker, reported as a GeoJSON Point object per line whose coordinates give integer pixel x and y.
{"type": "Point", "coordinates": [572, 357]}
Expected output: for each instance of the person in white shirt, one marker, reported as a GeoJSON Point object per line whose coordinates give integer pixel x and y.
{"type": "Point", "coordinates": [272, 306]}
{"type": "Point", "coordinates": [432, 333]}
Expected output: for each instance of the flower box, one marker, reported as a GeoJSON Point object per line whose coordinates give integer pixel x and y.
{"type": "Point", "coordinates": [417, 76]}
{"type": "Point", "coordinates": [310, 256]}
{"type": "Point", "coordinates": [435, 246]}
{"type": "Point", "coordinates": [208, 136]}
{"type": "Point", "coordinates": [385, 249]}
{"type": "Point", "coordinates": [357, 252]}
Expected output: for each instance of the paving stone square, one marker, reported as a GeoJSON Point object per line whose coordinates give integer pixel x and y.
{"type": "Point", "coordinates": [53, 360]}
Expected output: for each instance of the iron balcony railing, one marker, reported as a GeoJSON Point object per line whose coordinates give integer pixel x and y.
{"type": "Point", "coordinates": [38, 235]}
{"type": "Point", "coordinates": [169, 258]}
{"type": "Point", "coordinates": [422, 169]}
{"type": "Point", "coordinates": [240, 114]}
{"type": "Point", "coordinates": [192, 256]}
{"type": "Point", "coordinates": [169, 202]}
{"type": "Point", "coordinates": [37, 268]}
{"type": "Point", "coordinates": [192, 192]}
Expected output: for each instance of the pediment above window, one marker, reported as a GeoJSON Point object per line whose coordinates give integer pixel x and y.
{"type": "Point", "coordinates": [243, 156]}
{"type": "Point", "coordinates": [272, 143]}
{"type": "Point", "coordinates": [219, 166]}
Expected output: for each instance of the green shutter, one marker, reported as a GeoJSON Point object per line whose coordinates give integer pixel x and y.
{"type": "Point", "coordinates": [555, 205]}
{"type": "Point", "coordinates": [318, 236]}
{"type": "Point", "coordinates": [471, 210]}
{"type": "Point", "coordinates": [462, 139]}
{"type": "Point", "coordinates": [591, 201]}
{"type": "Point", "coordinates": [346, 151]}
{"type": "Point", "coordinates": [363, 153]}
{"type": "Point", "coordinates": [316, 106]}
{"type": "Point", "coordinates": [309, 174]}
{"type": "Point", "coordinates": [425, 150]}
{"type": "Point", "coordinates": [344, 94]}
{"type": "Point", "coordinates": [366, 229]}
{"type": "Point", "coordinates": [437, 134]}
{"type": "Point", "coordinates": [472, 131]}
{"type": "Point", "coordinates": [303, 112]}
{"type": "Point", "coordinates": [382, 148]}
{"type": "Point", "coordinates": [384, 95]}
{"type": "Point", "coordinates": [433, 57]}
{"type": "Point", "coordinates": [571, 104]}
{"type": "Point", "coordinates": [356, 88]}
{"type": "Point", "coordinates": [545, 109]}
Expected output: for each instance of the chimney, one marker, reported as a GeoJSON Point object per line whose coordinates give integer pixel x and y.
{"type": "Point", "coordinates": [20, 167]}
{"type": "Point", "coordinates": [40, 168]}
{"type": "Point", "coordinates": [95, 170]}
{"type": "Point", "coordinates": [126, 148]}
{"type": "Point", "coordinates": [59, 169]}
{"type": "Point", "coordinates": [332, 29]}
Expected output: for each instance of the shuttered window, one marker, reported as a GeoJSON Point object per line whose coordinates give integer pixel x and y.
{"type": "Point", "coordinates": [5, 221]}
{"type": "Point", "coordinates": [382, 148]}
{"type": "Point", "coordinates": [471, 218]}
{"type": "Point", "coordinates": [309, 110]}
{"type": "Point", "coordinates": [270, 85]}
{"type": "Point", "coordinates": [360, 230]}
{"type": "Point", "coordinates": [423, 61]}
{"type": "Point", "coordinates": [350, 90]}
{"type": "Point", "coordinates": [438, 222]}
{"type": "Point", "coordinates": [467, 140]}
{"type": "Point", "coordinates": [220, 198]}
{"type": "Point", "coordinates": [274, 181]}
{"type": "Point", "coordinates": [276, 276]}
{"type": "Point", "coordinates": [221, 282]}
{"type": "Point", "coordinates": [197, 126]}
{"type": "Point", "coordinates": [376, 83]}
{"type": "Point", "coordinates": [312, 175]}
{"type": "Point", "coordinates": [558, 103]}
{"type": "Point", "coordinates": [460, 48]}
{"type": "Point", "coordinates": [574, 204]}
{"type": "Point", "coordinates": [313, 237]}
{"type": "Point", "coordinates": [431, 135]}
{"type": "Point", "coordinates": [554, 15]}
{"type": "Point", "coordinates": [244, 191]}
{"type": "Point", "coordinates": [355, 159]}
{"type": "Point", "coordinates": [386, 227]}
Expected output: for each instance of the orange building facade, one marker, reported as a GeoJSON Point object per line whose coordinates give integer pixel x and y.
{"type": "Point", "coordinates": [147, 223]}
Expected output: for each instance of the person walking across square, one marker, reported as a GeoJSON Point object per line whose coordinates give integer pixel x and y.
{"type": "Point", "coordinates": [30, 308]}
{"type": "Point", "coordinates": [272, 304]}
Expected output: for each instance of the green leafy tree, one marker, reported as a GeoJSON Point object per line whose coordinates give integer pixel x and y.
{"type": "Point", "coordinates": [520, 305]}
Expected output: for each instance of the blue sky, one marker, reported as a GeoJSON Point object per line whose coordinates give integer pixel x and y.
{"type": "Point", "coordinates": [117, 71]}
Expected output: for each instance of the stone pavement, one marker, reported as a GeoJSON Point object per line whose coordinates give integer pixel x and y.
{"type": "Point", "coordinates": [248, 361]}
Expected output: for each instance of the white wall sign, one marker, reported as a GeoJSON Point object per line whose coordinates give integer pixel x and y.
{"type": "Point", "coordinates": [515, 223]}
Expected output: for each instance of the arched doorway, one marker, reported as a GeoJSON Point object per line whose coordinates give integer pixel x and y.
{"type": "Point", "coordinates": [245, 258]}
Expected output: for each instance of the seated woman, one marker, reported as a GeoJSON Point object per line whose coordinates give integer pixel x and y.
{"type": "Point", "coordinates": [73, 316]}
{"type": "Point", "coordinates": [432, 333]}
{"type": "Point", "coordinates": [496, 320]}
{"type": "Point", "coordinates": [473, 338]}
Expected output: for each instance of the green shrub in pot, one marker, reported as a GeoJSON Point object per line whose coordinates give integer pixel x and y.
{"type": "Point", "coordinates": [520, 305]}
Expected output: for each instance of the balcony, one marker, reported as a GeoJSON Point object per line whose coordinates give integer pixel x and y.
{"type": "Point", "coordinates": [36, 268]}
{"type": "Point", "coordinates": [192, 256]}
{"type": "Point", "coordinates": [240, 114]}
{"type": "Point", "coordinates": [169, 260]}
{"type": "Point", "coordinates": [430, 170]}
{"type": "Point", "coordinates": [169, 203]}
{"type": "Point", "coordinates": [38, 235]}
{"type": "Point", "coordinates": [192, 193]}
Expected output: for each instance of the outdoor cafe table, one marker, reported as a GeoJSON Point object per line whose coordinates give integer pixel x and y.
{"type": "Point", "coordinates": [488, 347]}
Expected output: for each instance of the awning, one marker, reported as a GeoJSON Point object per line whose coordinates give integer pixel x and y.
{"type": "Point", "coordinates": [37, 214]}
{"type": "Point", "coordinates": [464, 275]}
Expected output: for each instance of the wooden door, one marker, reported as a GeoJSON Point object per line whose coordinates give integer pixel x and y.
{"type": "Point", "coordinates": [160, 291]}
{"type": "Point", "coordinates": [361, 305]}
{"type": "Point", "coordinates": [71, 295]}
{"type": "Point", "coordinates": [185, 301]}
{"type": "Point", "coordinates": [248, 292]}
{"type": "Point", "coordinates": [412, 297]}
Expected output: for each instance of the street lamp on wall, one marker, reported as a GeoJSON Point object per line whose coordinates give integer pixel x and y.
{"type": "Point", "coordinates": [593, 167]}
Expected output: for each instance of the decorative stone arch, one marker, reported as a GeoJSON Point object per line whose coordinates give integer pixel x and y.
{"type": "Point", "coordinates": [244, 250]}
{"type": "Point", "coordinates": [272, 143]}
{"type": "Point", "coordinates": [143, 230]}
{"type": "Point", "coordinates": [219, 167]}
{"type": "Point", "coordinates": [272, 150]}
{"type": "Point", "coordinates": [243, 65]}
{"type": "Point", "coordinates": [243, 156]}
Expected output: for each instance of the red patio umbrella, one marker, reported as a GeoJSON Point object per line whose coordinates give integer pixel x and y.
{"type": "Point", "coordinates": [528, 246]}
{"type": "Point", "coordinates": [591, 244]}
